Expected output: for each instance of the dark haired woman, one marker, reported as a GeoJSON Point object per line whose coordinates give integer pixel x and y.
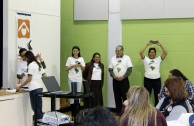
{"type": "Point", "coordinates": [94, 74]}
{"type": "Point", "coordinates": [152, 79]}
{"type": "Point", "coordinates": [188, 84]}
{"type": "Point", "coordinates": [75, 65]}
{"type": "Point", "coordinates": [22, 66]}
{"type": "Point", "coordinates": [35, 72]}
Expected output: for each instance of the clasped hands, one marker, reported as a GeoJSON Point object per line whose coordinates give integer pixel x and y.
{"type": "Point", "coordinates": [119, 78]}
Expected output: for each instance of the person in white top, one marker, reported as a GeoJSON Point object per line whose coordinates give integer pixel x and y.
{"type": "Point", "coordinates": [152, 63]}
{"type": "Point", "coordinates": [35, 72]}
{"type": "Point", "coordinates": [120, 68]}
{"type": "Point", "coordinates": [94, 74]}
{"type": "Point", "coordinates": [75, 65]}
{"type": "Point", "coordinates": [22, 66]}
{"type": "Point", "coordinates": [175, 103]}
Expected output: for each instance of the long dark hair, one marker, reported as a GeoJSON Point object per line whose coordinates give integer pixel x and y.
{"type": "Point", "coordinates": [76, 47]}
{"type": "Point", "coordinates": [178, 73]}
{"type": "Point", "coordinates": [30, 58]}
{"type": "Point", "coordinates": [92, 61]}
{"type": "Point", "coordinates": [94, 56]}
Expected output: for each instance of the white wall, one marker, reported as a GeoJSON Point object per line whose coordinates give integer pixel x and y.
{"type": "Point", "coordinates": [90, 9]}
{"type": "Point", "coordinates": [45, 32]}
{"type": "Point", "coordinates": [156, 9]}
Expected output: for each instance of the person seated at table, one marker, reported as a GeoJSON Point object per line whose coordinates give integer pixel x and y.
{"type": "Point", "coordinates": [175, 103]}
{"type": "Point", "coordinates": [187, 83]}
{"type": "Point", "coordinates": [137, 111]}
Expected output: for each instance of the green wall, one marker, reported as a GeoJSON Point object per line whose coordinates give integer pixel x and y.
{"type": "Point", "coordinates": [90, 36]}
{"type": "Point", "coordinates": [177, 36]}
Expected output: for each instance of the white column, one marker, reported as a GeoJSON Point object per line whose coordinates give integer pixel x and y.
{"type": "Point", "coordinates": [114, 39]}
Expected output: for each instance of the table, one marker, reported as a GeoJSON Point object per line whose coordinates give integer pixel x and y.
{"type": "Point", "coordinates": [53, 97]}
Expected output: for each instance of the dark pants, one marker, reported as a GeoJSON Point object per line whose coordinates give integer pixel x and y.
{"type": "Point", "coordinates": [96, 88]}
{"type": "Point", "coordinates": [154, 84]}
{"type": "Point", "coordinates": [96, 99]}
{"type": "Point", "coordinates": [39, 102]}
{"type": "Point", "coordinates": [120, 89]}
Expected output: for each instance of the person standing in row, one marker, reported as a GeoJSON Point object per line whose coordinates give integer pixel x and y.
{"type": "Point", "coordinates": [120, 68]}
{"type": "Point", "coordinates": [35, 72]}
{"type": "Point", "coordinates": [75, 65]}
{"type": "Point", "coordinates": [152, 63]}
{"type": "Point", "coordinates": [94, 74]}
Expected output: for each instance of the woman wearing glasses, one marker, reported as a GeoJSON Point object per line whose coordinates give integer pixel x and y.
{"type": "Point", "coordinates": [175, 103]}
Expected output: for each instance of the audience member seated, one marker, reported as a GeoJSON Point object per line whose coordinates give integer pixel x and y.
{"type": "Point", "coordinates": [98, 116]}
{"type": "Point", "coordinates": [137, 111]}
{"type": "Point", "coordinates": [175, 103]}
{"type": "Point", "coordinates": [81, 116]}
{"type": "Point", "coordinates": [188, 85]}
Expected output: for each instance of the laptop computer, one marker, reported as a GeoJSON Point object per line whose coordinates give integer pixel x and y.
{"type": "Point", "coordinates": [52, 85]}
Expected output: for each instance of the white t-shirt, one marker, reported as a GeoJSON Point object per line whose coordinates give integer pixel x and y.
{"type": "Point", "coordinates": [33, 69]}
{"type": "Point", "coordinates": [22, 68]}
{"type": "Point", "coordinates": [152, 67]}
{"type": "Point", "coordinates": [75, 74]}
{"type": "Point", "coordinates": [97, 72]}
{"type": "Point", "coordinates": [120, 65]}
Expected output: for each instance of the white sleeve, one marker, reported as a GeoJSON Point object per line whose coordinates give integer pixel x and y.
{"type": "Point", "coordinates": [176, 112]}
{"type": "Point", "coordinates": [68, 62]}
{"type": "Point", "coordinates": [160, 103]}
{"type": "Point", "coordinates": [189, 107]}
{"type": "Point", "coordinates": [111, 64]}
{"type": "Point", "coordinates": [160, 59]}
{"type": "Point", "coordinates": [129, 63]}
{"type": "Point", "coordinates": [82, 62]}
{"type": "Point", "coordinates": [19, 71]}
{"type": "Point", "coordinates": [30, 69]}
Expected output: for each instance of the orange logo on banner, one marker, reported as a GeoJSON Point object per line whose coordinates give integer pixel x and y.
{"type": "Point", "coordinates": [23, 28]}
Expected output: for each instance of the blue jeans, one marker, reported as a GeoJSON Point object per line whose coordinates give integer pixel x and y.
{"type": "Point", "coordinates": [39, 102]}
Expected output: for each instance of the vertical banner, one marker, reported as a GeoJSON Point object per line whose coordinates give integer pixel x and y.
{"type": "Point", "coordinates": [24, 37]}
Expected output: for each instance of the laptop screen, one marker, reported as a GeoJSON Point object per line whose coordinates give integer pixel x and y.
{"type": "Point", "coordinates": [51, 83]}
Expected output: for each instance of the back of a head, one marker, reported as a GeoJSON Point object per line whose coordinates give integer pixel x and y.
{"type": "Point", "coordinates": [138, 111]}
{"type": "Point", "coordinates": [99, 116]}
{"type": "Point", "coordinates": [138, 97]}
{"type": "Point", "coordinates": [178, 73]}
{"type": "Point", "coordinates": [21, 50]}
